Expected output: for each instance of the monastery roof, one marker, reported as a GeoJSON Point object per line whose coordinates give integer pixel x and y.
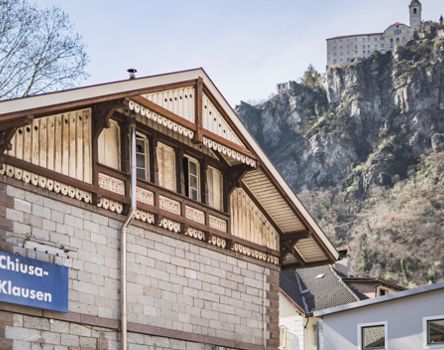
{"type": "Point", "coordinates": [353, 35]}
{"type": "Point", "coordinates": [364, 34]}
{"type": "Point", "coordinates": [397, 24]}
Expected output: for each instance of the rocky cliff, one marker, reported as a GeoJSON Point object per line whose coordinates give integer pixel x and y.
{"type": "Point", "coordinates": [367, 126]}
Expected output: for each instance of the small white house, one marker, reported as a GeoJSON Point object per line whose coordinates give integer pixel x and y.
{"type": "Point", "coordinates": [407, 320]}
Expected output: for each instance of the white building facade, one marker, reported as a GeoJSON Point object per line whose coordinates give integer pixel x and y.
{"type": "Point", "coordinates": [347, 49]}
{"type": "Point", "coordinates": [408, 320]}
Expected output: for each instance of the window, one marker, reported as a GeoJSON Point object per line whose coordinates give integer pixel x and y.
{"type": "Point", "coordinates": [142, 163]}
{"type": "Point", "coordinates": [415, 11]}
{"type": "Point", "coordinates": [314, 340]}
{"type": "Point", "coordinates": [372, 336]}
{"type": "Point", "coordinates": [381, 291]}
{"type": "Point", "coordinates": [166, 159]}
{"type": "Point", "coordinates": [215, 185]}
{"type": "Point", "coordinates": [191, 172]}
{"type": "Point", "coordinates": [282, 337]}
{"type": "Point", "coordinates": [109, 146]}
{"type": "Point", "coordinates": [434, 332]}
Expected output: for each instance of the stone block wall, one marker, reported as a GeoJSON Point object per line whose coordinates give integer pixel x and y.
{"type": "Point", "coordinates": [177, 287]}
{"type": "Point", "coordinates": [21, 332]}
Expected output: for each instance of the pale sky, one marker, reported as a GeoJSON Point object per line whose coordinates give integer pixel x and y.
{"type": "Point", "coordinates": [246, 46]}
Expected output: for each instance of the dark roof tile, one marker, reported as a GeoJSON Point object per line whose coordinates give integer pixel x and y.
{"type": "Point", "coordinates": [312, 293]}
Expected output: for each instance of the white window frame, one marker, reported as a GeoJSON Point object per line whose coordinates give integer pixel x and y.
{"type": "Point", "coordinates": [372, 324]}
{"type": "Point", "coordinates": [197, 163]}
{"type": "Point", "coordinates": [425, 335]}
{"type": "Point", "coordinates": [283, 337]}
{"type": "Point", "coordinates": [147, 159]}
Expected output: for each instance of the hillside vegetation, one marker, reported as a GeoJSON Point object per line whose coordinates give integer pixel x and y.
{"type": "Point", "coordinates": [363, 146]}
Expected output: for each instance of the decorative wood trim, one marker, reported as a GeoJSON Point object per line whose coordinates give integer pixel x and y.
{"type": "Point", "coordinates": [138, 104]}
{"type": "Point", "coordinates": [160, 137]}
{"type": "Point", "coordinates": [224, 114]}
{"type": "Point", "coordinates": [217, 223]}
{"type": "Point", "coordinates": [144, 196]}
{"type": "Point", "coordinates": [173, 195]}
{"type": "Point", "coordinates": [234, 178]}
{"type": "Point", "coordinates": [152, 210]}
{"type": "Point", "coordinates": [112, 184]}
{"type": "Point", "coordinates": [194, 214]}
{"type": "Point", "coordinates": [164, 112]}
{"type": "Point", "coordinates": [101, 115]}
{"type": "Point", "coordinates": [102, 168]}
{"type": "Point", "coordinates": [198, 95]}
{"type": "Point", "coordinates": [7, 131]}
{"type": "Point", "coordinates": [169, 205]}
{"type": "Point", "coordinates": [44, 182]}
{"type": "Point", "coordinates": [261, 208]}
{"type": "Point", "coordinates": [254, 253]}
{"type": "Point", "coordinates": [232, 145]}
{"type": "Point", "coordinates": [15, 162]}
{"type": "Point", "coordinates": [287, 247]}
{"type": "Point", "coordinates": [166, 217]}
{"type": "Point", "coordinates": [16, 123]}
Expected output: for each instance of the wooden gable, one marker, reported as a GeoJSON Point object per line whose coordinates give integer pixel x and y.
{"type": "Point", "coordinates": [261, 216]}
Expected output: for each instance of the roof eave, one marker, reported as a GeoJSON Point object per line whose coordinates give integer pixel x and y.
{"type": "Point", "coordinates": [379, 300]}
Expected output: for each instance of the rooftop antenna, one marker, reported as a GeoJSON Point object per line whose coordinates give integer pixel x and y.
{"type": "Point", "coordinates": [132, 73]}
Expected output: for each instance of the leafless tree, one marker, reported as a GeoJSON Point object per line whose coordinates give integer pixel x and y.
{"type": "Point", "coordinates": [39, 50]}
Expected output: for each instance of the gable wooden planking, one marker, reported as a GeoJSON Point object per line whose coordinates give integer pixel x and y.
{"type": "Point", "coordinates": [61, 143]}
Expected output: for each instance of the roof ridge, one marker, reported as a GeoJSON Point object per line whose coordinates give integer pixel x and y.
{"type": "Point", "coordinates": [343, 283]}
{"type": "Point", "coordinates": [300, 290]}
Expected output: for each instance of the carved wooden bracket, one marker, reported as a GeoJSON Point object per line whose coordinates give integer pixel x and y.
{"type": "Point", "coordinates": [7, 131]}
{"type": "Point", "coordinates": [287, 243]}
{"type": "Point", "coordinates": [102, 113]}
{"type": "Point", "coordinates": [235, 175]}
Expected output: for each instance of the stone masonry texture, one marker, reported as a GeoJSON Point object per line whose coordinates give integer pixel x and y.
{"type": "Point", "coordinates": [173, 284]}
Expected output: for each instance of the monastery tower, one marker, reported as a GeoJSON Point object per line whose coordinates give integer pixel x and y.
{"type": "Point", "coordinates": [415, 8]}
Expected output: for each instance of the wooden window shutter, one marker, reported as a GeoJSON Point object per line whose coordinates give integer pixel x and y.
{"type": "Point", "coordinates": [214, 179]}
{"type": "Point", "coordinates": [109, 146]}
{"type": "Point", "coordinates": [166, 159]}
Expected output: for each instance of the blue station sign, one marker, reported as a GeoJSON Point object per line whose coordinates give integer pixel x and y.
{"type": "Point", "coordinates": [33, 283]}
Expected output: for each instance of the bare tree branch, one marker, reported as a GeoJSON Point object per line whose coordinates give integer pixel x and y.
{"type": "Point", "coordinates": [39, 50]}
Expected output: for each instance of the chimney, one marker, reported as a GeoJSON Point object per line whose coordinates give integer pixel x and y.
{"type": "Point", "coordinates": [132, 73]}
